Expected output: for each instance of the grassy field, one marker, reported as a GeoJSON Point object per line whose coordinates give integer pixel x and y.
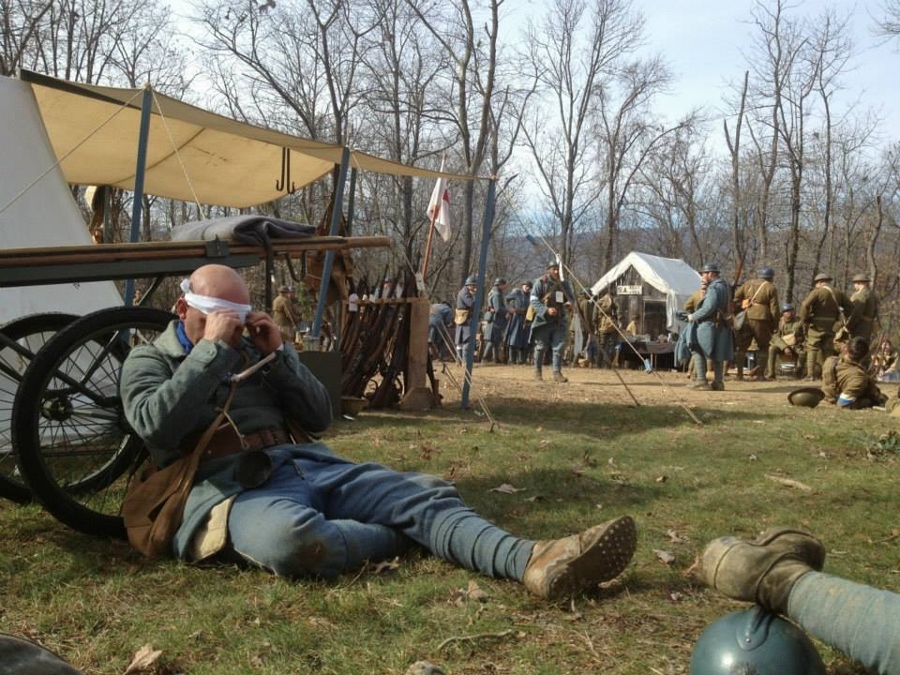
{"type": "Point", "coordinates": [575, 455]}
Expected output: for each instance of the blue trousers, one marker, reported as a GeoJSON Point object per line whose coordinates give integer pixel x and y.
{"type": "Point", "coordinates": [861, 621]}
{"type": "Point", "coordinates": [549, 336]}
{"type": "Point", "coordinates": [320, 519]}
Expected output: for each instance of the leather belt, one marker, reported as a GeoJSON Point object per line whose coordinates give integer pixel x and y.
{"type": "Point", "coordinates": [226, 441]}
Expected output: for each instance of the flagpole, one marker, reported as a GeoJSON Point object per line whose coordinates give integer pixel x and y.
{"type": "Point", "coordinates": [428, 244]}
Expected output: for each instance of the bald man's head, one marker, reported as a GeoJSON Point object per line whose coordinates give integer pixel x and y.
{"type": "Point", "coordinates": [220, 281]}
{"type": "Point", "coordinates": [216, 281]}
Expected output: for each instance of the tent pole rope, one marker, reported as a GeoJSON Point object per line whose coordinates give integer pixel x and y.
{"type": "Point", "coordinates": [66, 155]}
{"type": "Point", "coordinates": [649, 370]}
{"type": "Point", "coordinates": [177, 153]}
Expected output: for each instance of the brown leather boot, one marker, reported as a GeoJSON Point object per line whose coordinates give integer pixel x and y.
{"type": "Point", "coordinates": [764, 570]}
{"type": "Point", "coordinates": [563, 567]}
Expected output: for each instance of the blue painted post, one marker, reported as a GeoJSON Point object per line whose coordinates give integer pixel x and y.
{"type": "Point", "coordinates": [329, 255]}
{"type": "Point", "coordinates": [136, 206]}
{"type": "Point", "coordinates": [487, 223]}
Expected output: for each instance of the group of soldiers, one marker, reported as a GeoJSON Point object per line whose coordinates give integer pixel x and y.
{"type": "Point", "coordinates": [533, 324]}
{"type": "Point", "coordinates": [777, 334]}
{"type": "Point", "coordinates": [530, 324]}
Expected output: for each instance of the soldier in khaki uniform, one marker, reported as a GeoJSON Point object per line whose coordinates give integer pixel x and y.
{"type": "Point", "coordinates": [606, 317]}
{"type": "Point", "coordinates": [759, 298]}
{"type": "Point", "coordinates": [846, 382]}
{"type": "Point", "coordinates": [282, 313]}
{"type": "Point", "coordinates": [863, 308]}
{"type": "Point", "coordinates": [821, 313]}
{"type": "Point", "coordinates": [786, 341]}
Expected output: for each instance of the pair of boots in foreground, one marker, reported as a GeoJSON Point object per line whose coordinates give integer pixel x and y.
{"type": "Point", "coordinates": [761, 571]}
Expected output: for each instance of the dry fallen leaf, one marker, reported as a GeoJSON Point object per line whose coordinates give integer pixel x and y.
{"type": "Point", "coordinates": [790, 482]}
{"type": "Point", "coordinates": [507, 489]}
{"type": "Point", "coordinates": [143, 658]}
{"type": "Point", "coordinates": [676, 538]}
{"type": "Point", "coordinates": [665, 556]}
{"type": "Point", "coordinates": [385, 566]}
{"type": "Point", "coordinates": [475, 593]}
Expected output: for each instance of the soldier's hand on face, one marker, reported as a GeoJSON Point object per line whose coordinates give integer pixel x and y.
{"type": "Point", "coordinates": [225, 325]}
{"type": "Point", "coordinates": [264, 333]}
{"type": "Point", "coordinates": [552, 311]}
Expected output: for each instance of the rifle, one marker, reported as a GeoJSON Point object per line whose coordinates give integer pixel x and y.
{"type": "Point", "coordinates": [734, 284]}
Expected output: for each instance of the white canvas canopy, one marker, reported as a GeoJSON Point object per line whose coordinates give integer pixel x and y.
{"type": "Point", "coordinates": [44, 215]}
{"type": "Point", "coordinates": [671, 276]}
{"type": "Point", "coordinates": [192, 154]}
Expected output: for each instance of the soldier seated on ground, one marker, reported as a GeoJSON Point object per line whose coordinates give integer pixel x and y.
{"type": "Point", "coordinates": [846, 383]}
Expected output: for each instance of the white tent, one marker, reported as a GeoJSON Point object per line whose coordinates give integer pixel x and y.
{"type": "Point", "coordinates": [671, 276]}
{"type": "Point", "coordinates": [37, 209]}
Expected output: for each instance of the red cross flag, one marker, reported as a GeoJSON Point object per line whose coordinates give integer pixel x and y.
{"type": "Point", "coordinates": [439, 207]}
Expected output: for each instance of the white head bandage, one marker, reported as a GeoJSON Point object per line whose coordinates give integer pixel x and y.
{"type": "Point", "coordinates": [207, 303]}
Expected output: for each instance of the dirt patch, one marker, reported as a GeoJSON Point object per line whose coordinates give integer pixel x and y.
{"type": "Point", "coordinates": [601, 385]}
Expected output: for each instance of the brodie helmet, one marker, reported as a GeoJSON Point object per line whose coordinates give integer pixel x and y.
{"type": "Point", "coordinates": [754, 642]}
{"type": "Point", "coordinates": [808, 397]}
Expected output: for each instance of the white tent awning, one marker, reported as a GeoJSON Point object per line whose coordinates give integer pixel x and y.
{"type": "Point", "coordinates": [94, 130]}
{"type": "Point", "coordinates": [671, 276]}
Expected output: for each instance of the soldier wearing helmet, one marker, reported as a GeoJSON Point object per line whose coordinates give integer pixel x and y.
{"type": "Point", "coordinates": [712, 339]}
{"type": "Point", "coordinates": [465, 300]}
{"type": "Point", "coordinates": [495, 318]}
{"type": "Point", "coordinates": [787, 342]}
{"type": "Point", "coordinates": [847, 382]}
{"type": "Point", "coordinates": [759, 298]}
{"type": "Point", "coordinates": [863, 308]}
{"type": "Point", "coordinates": [551, 296]}
{"type": "Point", "coordinates": [822, 314]}
{"type": "Point", "coordinates": [517, 302]}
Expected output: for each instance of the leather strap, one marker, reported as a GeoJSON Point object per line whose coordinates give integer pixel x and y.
{"type": "Point", "coordinates": [227, 442]}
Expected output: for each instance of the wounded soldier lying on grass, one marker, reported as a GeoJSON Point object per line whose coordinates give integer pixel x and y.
{"type": "Point", "coordinates": [299, 509]}
{"type": "Point", "coordinates": [846, 382]}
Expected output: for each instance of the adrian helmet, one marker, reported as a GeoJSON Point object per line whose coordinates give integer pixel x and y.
{"type": "Point", "coordinates": [19, 655]}
{"type": "Point", "coordinates": [553, 263]}
{"type": "Point", "coordinates": [787, 307]}
{"type": "Point", "coordinates": [808, 397]}
{"type": "Point", "coordinates": [499, 281]}
{"type": "Point", "coordinates": [710, 267]}
{"type": "Point", "coordinates": [472, 281]}
{"type": "Point", "coordinates": [767, 273]}
{"type": "Point", "coordinates": [754, 641]}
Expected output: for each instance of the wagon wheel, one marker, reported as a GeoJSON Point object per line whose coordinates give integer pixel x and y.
{"type": "Point", "coordinates": [20, 340]}
{"type": "Point", "coordinates": [74, 447]}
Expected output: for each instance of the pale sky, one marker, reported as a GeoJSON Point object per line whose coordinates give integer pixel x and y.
{"type": "Point", "coordinates": [705, 43]}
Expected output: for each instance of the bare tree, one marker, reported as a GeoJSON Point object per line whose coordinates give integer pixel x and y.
{"type": "Point", "coordinates": [474, 54]}
{"type": "Point", "coordinates": [573, 54]}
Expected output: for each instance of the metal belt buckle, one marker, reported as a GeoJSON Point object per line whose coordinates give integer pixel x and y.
{"type": "Point", "coordinates": [253, 468]}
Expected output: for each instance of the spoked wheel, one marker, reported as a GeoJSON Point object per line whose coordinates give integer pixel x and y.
{"type": "Point", "coordinates": [20, 340]}
{"type": "Point", "coordinates": [74, 447]}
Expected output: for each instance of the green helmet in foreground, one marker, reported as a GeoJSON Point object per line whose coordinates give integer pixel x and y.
{"type": "Point", "coordinates": [808, 397]}
{"type": "Point", "coordinates": [754, 642]}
